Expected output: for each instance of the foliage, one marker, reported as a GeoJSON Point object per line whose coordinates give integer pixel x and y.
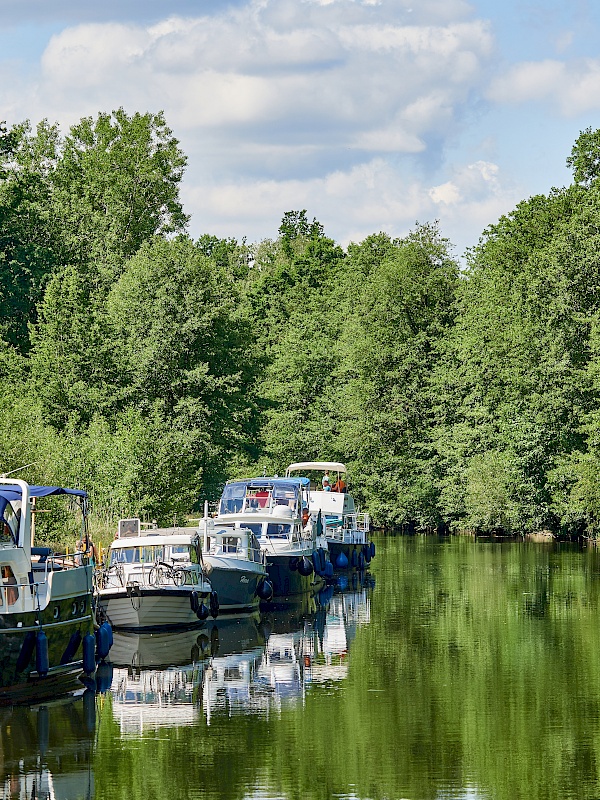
{"type": "Point", "coordinates": [151, 367]}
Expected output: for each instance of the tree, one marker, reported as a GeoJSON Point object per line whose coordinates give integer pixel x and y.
{"type": "Point", "coordinates": [117, 185]}
{"type": "Point", "coordinates": [405, 308]}
{"type": "Point", "coordinates": [585, 157]}
{"type": "Point", "coordinates": [30, 238]}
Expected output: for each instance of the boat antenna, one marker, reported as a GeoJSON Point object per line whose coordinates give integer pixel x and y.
{"type": "Point", "coordinates": [18, 469]}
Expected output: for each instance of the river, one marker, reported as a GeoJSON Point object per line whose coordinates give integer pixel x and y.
{"type": "Point", "coordinates": [459, 668]}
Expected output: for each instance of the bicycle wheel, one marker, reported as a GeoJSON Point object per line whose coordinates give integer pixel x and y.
{"type": "Point", "coordinates": [179, 576]}
{"type": "Point", "coordinates": [155, 578]}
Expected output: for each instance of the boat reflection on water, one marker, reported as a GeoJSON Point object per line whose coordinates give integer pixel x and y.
{"type": "Point", "coordinates": [252, 664]}
{"type": "Point", "coordinates": [306, 643]}
{"type": "Point", "coordinates": [158, 678]}
{"type": "Point", "coordinates": [46, 750]}
{"type": "Point", "coordinates": [328, 644]}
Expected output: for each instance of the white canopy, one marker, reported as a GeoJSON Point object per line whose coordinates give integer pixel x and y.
{"type": "Point", "coordinates": [325, 466]}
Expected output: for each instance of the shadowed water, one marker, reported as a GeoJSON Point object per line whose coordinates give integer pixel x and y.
{"type": "Point", "coordinates": [459, 669]}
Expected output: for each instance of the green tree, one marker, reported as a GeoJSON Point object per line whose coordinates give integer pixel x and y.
{"type": "Point", "coordinates": [117, 184]}
{"type": "Point", "coordinates": [30, 238]}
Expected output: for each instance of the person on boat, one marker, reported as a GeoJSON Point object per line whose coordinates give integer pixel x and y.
{"type": "Point", "coordinates": [339, 486]}
{"type": "Point", "coordinates": [326, 486]}
{"type": "Point", "coordinates": [307, 523]}
{"type": "Point", "coordinates": [87, 549]}
{"type": "Point", "coordinates": [325, 478]}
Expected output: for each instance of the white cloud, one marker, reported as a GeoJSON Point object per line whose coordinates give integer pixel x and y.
{"type": "Point", "coordinates": [277, 73]}
{"type": "Point", "coordinates": [283, 104]}
{"type": "Point", "coordinates": [356, 202]}
{"type": "Point", "coordinates": [572, 87]}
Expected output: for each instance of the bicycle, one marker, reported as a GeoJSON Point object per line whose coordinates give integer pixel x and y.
{"type": "Point", "coordinates": [162, 573]}
{"type": "Point", "coordinates": [104, 577]}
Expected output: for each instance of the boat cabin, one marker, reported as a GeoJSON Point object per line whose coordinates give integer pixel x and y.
{"type": "Point", "coordinates": [170, 545]}
{"type": "Point", "coordinates": [24, 569]}
{"type": "Point", "coordinates": [239, 543]}
{"type": "Point", "coordinates": [264, 495]}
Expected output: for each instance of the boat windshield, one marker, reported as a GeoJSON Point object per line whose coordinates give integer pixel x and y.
{"type": "Point", "coordinates": [9, 523]}
{"type": "Point", "coordinates": [277, 531]}
{"type": "Point", "coordinates": [243, 496]}
{"type": "Point", "coordinates": [183, 553]}
{"type": "Point", "coordinates": [232, 499]}
{"type": "Point", "coordinates": [136, 555]}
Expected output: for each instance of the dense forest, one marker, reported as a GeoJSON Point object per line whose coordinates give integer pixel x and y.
{"type": "Point", "coordinates": [148, 367]}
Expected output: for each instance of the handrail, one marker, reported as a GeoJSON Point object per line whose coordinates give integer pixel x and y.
{"type": "Point", "coordinates": [14, 595]}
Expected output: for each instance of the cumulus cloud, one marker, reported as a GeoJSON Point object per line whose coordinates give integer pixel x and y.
{"type": "Point", "coordinates": [367, 198]}
{"type": "Point", "coordinates": [373, 84]}
{"type": "Point", "coordinates": [280, 104]}
{"type": "Point", "coordinates": [572, 87]}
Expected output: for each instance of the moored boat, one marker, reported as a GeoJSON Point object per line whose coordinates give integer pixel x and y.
{"type": "Point", "coordinates": [235, 564]}
{"type": "Point", "coordinates": [154, 579]}
{"type": "Point", "coordinates": [45, 601]}
{"type": "Point", "coordinates": [271, 508]}
{"type": "Point", "coordinates": [345, 527]}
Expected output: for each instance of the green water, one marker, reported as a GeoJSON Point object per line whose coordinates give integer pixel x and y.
{"type": "Point", "coordinates": [470, 669]}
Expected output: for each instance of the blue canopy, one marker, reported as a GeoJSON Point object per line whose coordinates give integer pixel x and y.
{"type": "Point", "coordinates": [257, 483]}
{"type": "Point", "coordinates": [9, 491]}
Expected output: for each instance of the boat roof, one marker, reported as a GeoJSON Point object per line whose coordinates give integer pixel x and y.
{"type": "Point", "coordinates": [9, 491]}
{"type": "Point", "coordinates": [250, 517]}
{"type": "Point", "coordinates": [334, 466]}
{"type": "Point", "coordinates": [156, 537]}
{"type": "Point", "coordinates": [271, 481]}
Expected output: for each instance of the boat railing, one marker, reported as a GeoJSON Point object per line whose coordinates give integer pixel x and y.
{"type": "Point", "coordinates": [350, 528]}
{"type": "Point", "coordinates": [18, 598]}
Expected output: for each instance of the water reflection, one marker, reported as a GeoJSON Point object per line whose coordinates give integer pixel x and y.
{"type": "Point", "coordinates": [245, 665]}
{"type": "Point", "coordinates": [46, 750]}
{"type": "Point", "coordinates": [469, 671]}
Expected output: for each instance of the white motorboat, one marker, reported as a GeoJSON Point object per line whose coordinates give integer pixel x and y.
{"type": "Point", "coordinates": [45, 600]}
{"type": "Point", "coordinates": [154, 579]}
{"type": "Point", "coordinates": [345, 527]}
{"type": "Point", "coordinates": [271, 509]}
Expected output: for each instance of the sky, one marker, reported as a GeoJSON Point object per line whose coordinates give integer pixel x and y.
{"type": "Point", "coordinates": [373, 115]}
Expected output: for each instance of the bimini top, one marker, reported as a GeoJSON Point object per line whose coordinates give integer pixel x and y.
{"type": "Point", "coordinates": [334, 466]}
{"type": "Point", "coordinates": [9, 491]}
{"type": "Point", "coordinates": [256, 483]}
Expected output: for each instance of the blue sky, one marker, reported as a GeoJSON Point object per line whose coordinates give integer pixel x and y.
{"type": "Point", "coordinates": [371, 114]}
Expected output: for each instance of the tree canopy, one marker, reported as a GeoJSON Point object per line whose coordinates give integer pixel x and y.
{"type": "Point", "coordinates": [149, 367]}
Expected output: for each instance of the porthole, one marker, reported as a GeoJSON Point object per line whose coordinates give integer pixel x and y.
{"type": "Point", "coordinates": [82, 606]}
{"type": "Point", "coordinates": [74, 609]}
{"type": "Point", "coordinates": [56, 612]}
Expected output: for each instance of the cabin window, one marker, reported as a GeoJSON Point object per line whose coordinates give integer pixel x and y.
{"type": "Point", "coordinates": [136, 555]}
{"type": "Point", "coordinates": [9, 524]}
{"type": "Point", "coordinates": [257, 498]}
{"type": "Point", "coordinates": [286, 494]}
{"type": "Point", "coordinates": [10, 583]}
{"type": "Point", "coordinates": [275, 531]}
{"type": "Point", "coordinates": [255, 527]}
{"type": "Point", "coordinates": [231, 544]}
{"type": "Point", "coordinates": [180, 552]}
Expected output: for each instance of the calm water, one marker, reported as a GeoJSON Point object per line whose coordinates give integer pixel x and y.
{"type": "Point", "coordinates": [461, 669]}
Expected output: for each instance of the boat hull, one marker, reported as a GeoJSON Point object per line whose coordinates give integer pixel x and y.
{"type": "Point", "coordinates": [235, 583]}
{"type": "Point", "coordinates": [150, 608]}
{"type": "Point", "coordinates": [352, 551]}
{"type": "Point", "coordinates": [19, 677]}
{"type": "Point", "coordinates": [287, 581]}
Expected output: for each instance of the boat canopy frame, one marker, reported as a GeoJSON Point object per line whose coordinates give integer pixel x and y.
{"type": "Point", "coordinates": [323, 466]}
